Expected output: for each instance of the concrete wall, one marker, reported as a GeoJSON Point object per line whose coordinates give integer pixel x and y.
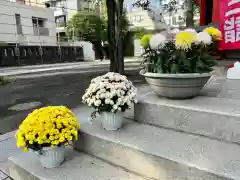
{"type": "Point", "coordinates": [88, 52]}
{"type": "Point", "coordinates": [138, 50]}
{"type": "Point", "coordinates": [8, 30]}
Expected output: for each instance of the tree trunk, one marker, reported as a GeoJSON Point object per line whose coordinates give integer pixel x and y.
{"type": "Point", "coordinates": [97, 47]}
{"type": "Point", "coordinates": [119, 37]}
{"type": "Point", "coordinates": [189, 14]}
{"type": "Point", "coordinates": [111, 8]}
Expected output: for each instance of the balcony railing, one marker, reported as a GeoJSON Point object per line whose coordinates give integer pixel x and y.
{"type": "Point", "coordinates": [40, 31]}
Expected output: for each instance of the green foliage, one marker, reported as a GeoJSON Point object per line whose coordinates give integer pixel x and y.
{"type": "Point", "coordinates": [170, 60]}
{"type": "Point", "coordinates": [173, 6]}
{"type": "Point", "coordinates": [145, 40]}
{"type": "Point", "coordinates": [3, 44]}
{"type": "Point", "coordinates": [190, 6]}
{"type": "Point", "coordinates": [87, 26]}
{"type": "Point", "coordinates": [138, 33]}
{"type": "Point", "coordinates": [124, 25]}
{"type": "Point", "coordinates": [4, 81]}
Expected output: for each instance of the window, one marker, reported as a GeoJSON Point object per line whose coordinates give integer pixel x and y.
{"type": "Point", "coordinates": [53, 4]}
{"type": "Point", "coordinates": [39, 27]}
{"type": "Point", "coordinates": [39, 22]}
{"type": "Point", "coordinates": [61, 20]}
{"type": "Point", "coordinates": [18, 24]}
{"type": "Point", "coordinates": [174, 22]}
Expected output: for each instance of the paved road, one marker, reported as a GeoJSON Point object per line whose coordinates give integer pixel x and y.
{"type": "Point", "coordinates": [64, 89]}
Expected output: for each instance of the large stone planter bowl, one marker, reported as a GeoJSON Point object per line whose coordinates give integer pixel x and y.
{"type": "Point", "coordinates": [177, 86]}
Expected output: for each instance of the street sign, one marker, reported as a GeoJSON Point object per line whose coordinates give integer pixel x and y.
{"type": "Point", "coordinates": [230, 24]}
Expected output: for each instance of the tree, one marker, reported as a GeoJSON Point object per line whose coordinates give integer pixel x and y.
{"type": "Point", "coordinates": [191, 7]}
{"type": "Point", "coordinates": [189, 14]}
{"type": "Point", "coordinates": [115, 37]}
{"type": "Point", "coordinates": [87, 26]}
{"type": "Point", "coordinates": [124, 26]}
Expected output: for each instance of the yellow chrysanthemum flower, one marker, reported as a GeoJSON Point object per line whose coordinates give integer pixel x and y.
{"type": "Point", "coordinates": [214, 32]}
{"type": "Point", "coordinates": [184, 40]}
{"type": "Point", "coordinates": [145, 40]}
{"type": "Point", "coordinates": [61, 139]}
{"type": "Point", "coordinates": [48, 126]}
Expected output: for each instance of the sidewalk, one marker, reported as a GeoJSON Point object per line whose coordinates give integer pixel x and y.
{"type": "Point", "coordinates": [13, 71]}
{"type": "Point", "coordinates": [7, 148]}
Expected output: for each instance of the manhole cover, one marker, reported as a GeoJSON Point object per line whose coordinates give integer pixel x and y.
{"type": "Point", "coordinates": [25, 106]}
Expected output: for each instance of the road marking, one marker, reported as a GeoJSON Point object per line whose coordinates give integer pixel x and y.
{"type": "Point", "coordinates": [25, 106]}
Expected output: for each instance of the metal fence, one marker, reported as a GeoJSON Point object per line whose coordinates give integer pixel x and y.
{"type": "Point", "coordinates": [11, 55]}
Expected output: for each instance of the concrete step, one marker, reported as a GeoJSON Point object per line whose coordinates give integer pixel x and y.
{"type": "Point", "coordinates": [159, 153]}
{"type": "Point", "coordinates": [78, 166]}
{"type": "Point", "coordinates": [207, 116]}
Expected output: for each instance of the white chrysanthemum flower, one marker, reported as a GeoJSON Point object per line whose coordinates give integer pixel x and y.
{"type": "Point", "coordinates": [97, 103]}
{"type": "Point", "coordinates": [101, 86]}
{"type": "Point", "coordinates": [157, 40]}
{"type": "Point", "coordinates": [102, 96]}
{"type": "Point", "coordinates": [104, 89]}
{"type": "Point", "coordinates": [191, 31]}
{"type": "Point", "coordinates": [112, 102]}
{"type": "Point", "coordinates": [203, 38]}
{"type": "Point", "coordinates": [107, 101]}
{"type": "Point", "coordinates": [115, 106]}
{"type": "Point", "coordinates": [91, 101]}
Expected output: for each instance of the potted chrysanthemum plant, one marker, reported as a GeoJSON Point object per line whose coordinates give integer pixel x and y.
{"type": "Point", "coordinates": [47, 131]}
{"type": "Point", "coordinates": [178, 66]}
{"type": "Point", "coordinates": [110, 95]}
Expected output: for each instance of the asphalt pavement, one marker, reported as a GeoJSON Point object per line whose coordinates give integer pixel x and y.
{"type": "Point", "coordinates": [23, 95]}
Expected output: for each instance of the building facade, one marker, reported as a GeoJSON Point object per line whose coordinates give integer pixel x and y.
{"type": "Point", "coordinates": [65, 9]}
{"type": "Point", "coordinates": [26, 25]}
{"type": "Point", "coordinates": [177, 18]}
{"type": "Point", "coordinates": [140, 18]}
{"type": "Point", "coordinates": [29, 2]}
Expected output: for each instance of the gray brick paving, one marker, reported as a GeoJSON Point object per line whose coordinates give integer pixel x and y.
{"type": "Point", "coordinates": [7, 148]}
{"type": "Point", "coordinates": [3, 176]}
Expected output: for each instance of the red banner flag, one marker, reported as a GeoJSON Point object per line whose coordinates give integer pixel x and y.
{"type": "Point", "coordinates": [230, 24]}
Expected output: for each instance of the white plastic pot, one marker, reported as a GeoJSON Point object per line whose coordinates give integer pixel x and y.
{"type": "Point", "coordinates": [51, 157]}
{"type": "Point", "coordinates": [112, 121]}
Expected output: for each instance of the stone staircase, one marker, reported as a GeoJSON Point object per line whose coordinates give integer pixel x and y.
{"type": "Point", "coordinates": [196, 139]}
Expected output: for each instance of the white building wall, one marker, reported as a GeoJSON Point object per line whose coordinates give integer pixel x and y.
{"type": "Point", "coordinates": [8, 30]}
{"type": "Point", "coordinates": [144, 19]}
{"type": "Point", "coordinates": [178, 18]}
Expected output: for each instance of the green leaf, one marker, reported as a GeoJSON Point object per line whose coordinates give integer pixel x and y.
{"type": "Point", "coordinates": [175, 68]}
